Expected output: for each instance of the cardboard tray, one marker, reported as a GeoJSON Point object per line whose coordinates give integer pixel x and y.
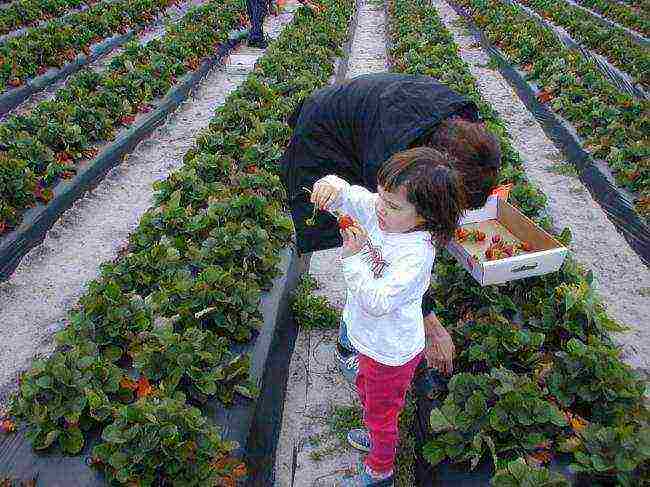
{"type": "Point", "coordinates": [499, 217]}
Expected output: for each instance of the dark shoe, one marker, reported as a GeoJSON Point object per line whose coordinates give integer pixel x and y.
{"type": "Point", "coordinates": [259, 42]}
{"type": "Point", "coordinates": [348, 363]}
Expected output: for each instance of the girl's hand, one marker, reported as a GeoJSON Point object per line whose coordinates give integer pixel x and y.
{"type": "Point", "coordinates": [324, 194]}
{"type": "Point", "coordinates": [354, 239]}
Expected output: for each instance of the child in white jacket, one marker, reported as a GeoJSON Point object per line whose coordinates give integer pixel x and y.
{"type": "Point", "coordinates": [387, 258]}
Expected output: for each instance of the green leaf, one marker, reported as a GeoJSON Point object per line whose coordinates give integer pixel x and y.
{"type": "Point", "coordinates": [439, 422]}
{"type": "Point", "coordinates": [71, 441]}
{"type": "Point", "coordinates": [48, 439]}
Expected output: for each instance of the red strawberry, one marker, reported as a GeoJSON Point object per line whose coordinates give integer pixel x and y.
{"type": "Point", "coordinates": [526, 246]}
{"type": "Point", "coordinates": [62, 157]}
{"type": "Point", "coordinates": [7, 426]}
{"type": "Point", "coordinates": [480, 236]}
{"type": "Point", "coordinates": [250, 169]}
{"type": "Point", "coordinates": [15, 82]}
{"type": "Point", "coordinates": [496, 238]}
{"type": "Point", "coordinates": [345, 222]}
{"type": "Point", "coordinates": [127, 120]}
{"type": "Point", "coordinates": [461, 234]}
{"type": "Point", "coordinates": [42, 70]}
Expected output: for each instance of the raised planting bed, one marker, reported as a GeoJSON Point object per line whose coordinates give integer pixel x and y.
{"type": "Point", "coordinates": [28, 12]}
{"type": "Point", "coordinates": [57, 165]}
{"type": "Point", "coordinates": [60, 42]}
{"type": "Point", "coordinates": [614, 44]}
{"type": "Point", "coordinates": [635, 16]}
{"type": "Point", "coordinates": [167, 325]}
{"type": "Point", "coordinates": [513, 413]}
{"type": "Point", "coordinates": [244, 416]}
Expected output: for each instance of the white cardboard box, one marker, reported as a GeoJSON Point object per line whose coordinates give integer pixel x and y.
{"type": "Point", "coordinates": [498, 216]}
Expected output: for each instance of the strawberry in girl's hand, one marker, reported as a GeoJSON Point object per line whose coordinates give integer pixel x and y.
{"type": "Point", "coordinates": [345, 222]}
{"type": "Point", "coordinates": [496, 238]}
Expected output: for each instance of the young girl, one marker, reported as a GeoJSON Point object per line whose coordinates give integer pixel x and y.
{"type": "Point", "coordinates": [387, 259]}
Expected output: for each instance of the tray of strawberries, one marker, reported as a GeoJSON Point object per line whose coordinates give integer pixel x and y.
{"type": "Point", "coordinates": [498, 243]}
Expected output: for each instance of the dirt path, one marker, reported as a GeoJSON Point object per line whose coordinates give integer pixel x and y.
{"type": "Point", "coordinates": [315, 386]}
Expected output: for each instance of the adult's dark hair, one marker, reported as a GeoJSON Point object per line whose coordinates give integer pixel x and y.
{"type": "Point", "coordinates": [435, 190]}
{"type": "Point", "coordinates": [475, 154]}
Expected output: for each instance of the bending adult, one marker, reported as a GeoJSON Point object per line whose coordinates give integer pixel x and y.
{"type": "Point", "coordinates": [349, 129]}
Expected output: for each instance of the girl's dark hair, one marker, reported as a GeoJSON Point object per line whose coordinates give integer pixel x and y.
{"type": "Point", "coordinates": [435, 189]}
{"type": "Point", "coordinates": [475, 154]}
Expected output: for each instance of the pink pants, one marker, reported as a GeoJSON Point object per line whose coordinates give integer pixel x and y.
{"type": "Point", "coordinates": [382, 391]}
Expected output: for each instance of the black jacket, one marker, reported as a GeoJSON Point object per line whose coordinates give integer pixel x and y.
{"type": "Point", "coordinates": [350, 129]}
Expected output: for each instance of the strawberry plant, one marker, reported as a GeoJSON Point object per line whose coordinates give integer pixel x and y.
{"type": "Point", "coordinates": [613, 43]}
{"type": "Point", "coordinates": [612, 124]}
{"type": "Point", "coordinates": [28, 12]}
{"type": "Point", "coordinates": [493, 341]}
{"type": "Point", "coordinates": [311, 311]}
{"type": "Point", "coordinates": [65, 396]}
{"type": "Point", "coordinates": [199, 362]}
{"type": "Point", "coordinates": [591, 379]}
{"type": "Point", "coordinates": [518, 473]}
{"type": "Point", "coordinates": [500, 412]}
{"type": "Point", "coordinates": [59, 42]}
{"type": "Point", "coordinates": [612, 455]}
{"type": "Point", "coordinates": [635, 16]}
{"type": "Point", "coordinates": [162, 441]}
{"type": "Point", "coordinates": [92, 107]}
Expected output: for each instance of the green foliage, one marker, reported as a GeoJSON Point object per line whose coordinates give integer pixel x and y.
{"type": "Point", "coordinates": [493, 341]}
{"type": "Point", "coordinates": [198, 361]}
{"type": "Point", "coordinates": [591, 379]}
{"type": "Point", "coordinates": [502, 413]}
{"type": "Point", "coordinates": [311, 311]}
{"type": "Point", "coordinates": [66, 395]}
{"type": "Point", "coordinates": [163, 441]}
{"type": "Point", "coordinates": [613, 454]}
{"type": "Point", "coordinates": [519, 474]}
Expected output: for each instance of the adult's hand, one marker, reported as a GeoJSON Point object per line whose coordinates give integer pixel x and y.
{"type": "Point", "coordinates": [439, 350]}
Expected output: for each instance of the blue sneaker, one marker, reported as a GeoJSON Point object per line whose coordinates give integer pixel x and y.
{"type": "Point", "coordinates": [359, 439]}
{"type": "Point", "coordinates": [358, 477]}
{"type": "Point", "coordinates": [348, 363]}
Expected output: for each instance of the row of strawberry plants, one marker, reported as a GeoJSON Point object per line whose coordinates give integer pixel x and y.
{"type": "Point", "coordinates": [43, 146]}
{"type": "Point", "coordinates": [61, 41]}
{"type": "Point", "coordinates": [614, 125]}
{"type": "Point", "coordinates": [613, 43]}
{"type": "Point", "coordinates": [27, 12]}
{"type": "Point", "coordinates": [635, 17]}
{"type": "Point", "coordinates": [538, 372]}
{"type": "Point", "coordinates": [186, 288]}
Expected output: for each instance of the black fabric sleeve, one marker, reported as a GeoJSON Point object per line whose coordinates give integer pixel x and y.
{"type": "Point", "coordinates": [428, 303]}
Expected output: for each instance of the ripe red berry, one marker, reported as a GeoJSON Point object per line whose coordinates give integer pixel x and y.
{"type": "Point", "coordinates": [526, 246]}
{"type": "Point", "coordinates": [496, 238]}
{"type": "Point", "coordinates": [345, 222]}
